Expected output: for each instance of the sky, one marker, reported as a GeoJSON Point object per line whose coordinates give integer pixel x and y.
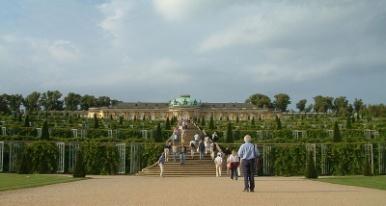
{"type": "Point", "coordinates": [217, 50]}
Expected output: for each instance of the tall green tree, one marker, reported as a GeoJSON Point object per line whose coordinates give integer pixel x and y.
{"type": "Point", "coordinates": [358, 105]}
{"type": "Point", "coordinates": [96, 122]}
{"type": "Point", "coordinates": [323, 104]}
{"type": "Point", "coordinates": [87, 101]}
{"type": "Point", "coordinates": [72, 101]}
{"type": "Point", "coordinates": [253, 124]}
{"type": "Point", "coordinates": [311, 171]}
{"type": "Point", "coordinates": [211, 122]}
{"type": "Point", "coordinates": [260, 100]}
{"type": "Point", "coordinates": [4, 108]}
{"type": "Point", "coordinates": [157, 134]}
{"type": "Point", "coordinates": [278, 123]}
{"type": "Point", "coordinates": [31, 102]}
{"type": "Point", "coordinates": [341, 105]}
{"type": "Point", "coordinates": [337, 135]}
{"type": "Point", "coordinates": [301, 105]}
{"type": "Point", "coordinates": [103, 101]}
{"type": "Point", "coordinates": [229, 133]}
{"type": "Point", "coordinates": [281, 102]}
{"type": "Point", "coordinates": [167, 124]}
{"type": "Point", "coordinates": [51, 100]}
{"type": "Point", "coordinates": [80, 165]}
{"type": "Point", "coordinates": [15, 101]}
{"type": "Point", "coordinates": [45, 132]}
{"type": "Point", "coordinates": [203, 123]}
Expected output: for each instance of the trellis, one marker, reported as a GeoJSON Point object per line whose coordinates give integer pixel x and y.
{"type": "Point", "coordinates": [61, 150]}
{"type": "Point", "coordinates": [39, 132]}
{"type": "Point", "coordinates": [299, 134]}
{"type": "Point", "coordinates": [83, 133]}
{"type": "Point", "coordinates": [369, 134]}
{"type": "Point", "coordinates": [14, 150]}
{"type": "Point", "coordinates": [268, 160]}
{"type": "Point", "coordinates": [110, 133]}
{"type": "Point", "coordinates": [381, 159]}
{"type": "Point", "coordinates": [3, 131]}
{"type": "Point", "coordinates": [74, 133]}
{"type": "Point", "coordinates": [264, 134]}
{"type": "Point", "coordinates": [311, 148]}
{"type": "Point", "coordinates": [324, 166]}
{"type": "Point", "coordinates": [369, 156]}
{"type": "Point", "coordinates": [330, 133]}
{"type": "Point", "coordinates": [72, 149]}
{"type": "Point", "coordinates": [135, 158]}
{"type": "Point", "coordinates": [1, 156]}
{"type": "Point", "coordinates": [122, 158]}
{"type": "Point", "coordinates": [144, 133]}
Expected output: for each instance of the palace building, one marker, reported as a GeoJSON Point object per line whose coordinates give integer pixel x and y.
{"type": "Point", "coordinates": [182, 107]}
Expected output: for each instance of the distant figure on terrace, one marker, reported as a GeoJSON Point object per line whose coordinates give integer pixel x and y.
{"type": "Point", "coordinates": [214, 137]}
{"type": "Point", "coordinates": [174, 151]}
{"type": "Point", "coordinates": [218, 163]}
{"type": "Point", "coordinates": [196, 137]}
{"type": "Point", "coordinates": [161, 163]}
{"type": "Point", "coordinates": [206, 143]}
{"type": "Point", "coordinates": [248, 153]}
{"type": "Point", "coordinates": [211, 150]}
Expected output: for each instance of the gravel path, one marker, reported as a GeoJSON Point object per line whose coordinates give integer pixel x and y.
{"type": "Point", "coordinates": [134, 190]}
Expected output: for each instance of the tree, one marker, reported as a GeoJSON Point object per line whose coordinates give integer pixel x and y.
{"type": "Point", "coordinates": [4, 104]}
{"type": "Point", "coordinates": [337, 136]}
{"type": "Point", "coordinates": [281, 102]}
{"type": "Point", "coordinates": [31, 102]}
{"type": "Point", "coordinates": [158, 133]}
{"type": "Point", "coordinates": [349, 125]}
{"type": "Point", "coordinates": [310, 171]}
{"type": "Point", "coordinates": [15, 101]}
{"type": "Point", "coordinates": [87, 101]}
{"type": "Point", "coordinates": [253, 122]}
{"type": "Point", "coordinates": [45, 132]}
{"type": "Point", "coordinates": [301, 105]}
{"type": "Point", "coordinates": [203, 121]}
{"type": "Point", "coordinates": [167, 124]}
{"type": "Point", "coordinates": [278, 123]}
{"type": "Point", "coordinates": [340, 105]}
{"type": "Point", "coordinates": [358, 106]}
{"type": "Point", "coordinates": [72, 101]}
{"type": "Point", "coordinates": [260, 100]}
{"type": "Point", "coordinates": [25, 161]}
{"type": "Point", "coordinates": [103, 101]}
{"type": "Point", "coordinates": [50, 100]}
{"type": "Point", "coordinates": [323, 104]}
{"type": "Point", "coordinates": [211, 122]}
{"type": "Point", "coordinates": [80, 166]}
{"type": "Point", "coordinates": [120, 120]}
{"type": "Point", "coordinates": [229, 133]}
{"type": "Point", "coordinates": [26, 121]}
{"type": "Point", "coordinates": [96, 121]}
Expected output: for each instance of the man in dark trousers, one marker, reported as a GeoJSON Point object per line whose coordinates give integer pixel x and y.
{"type": "Point", "coordinates": [248, 154]}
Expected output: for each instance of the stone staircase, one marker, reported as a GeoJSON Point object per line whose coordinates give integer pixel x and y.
{"type": "Point", "coordinates": [192, 167]}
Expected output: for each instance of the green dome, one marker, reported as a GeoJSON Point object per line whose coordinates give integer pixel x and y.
{"type": "Point", "coordinates": [184, 101]}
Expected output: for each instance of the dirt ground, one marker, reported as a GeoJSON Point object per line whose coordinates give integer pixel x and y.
{"type": "Point", "coordinates": [135, 190]}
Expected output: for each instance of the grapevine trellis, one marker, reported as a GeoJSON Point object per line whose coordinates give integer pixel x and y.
{"type": "Point", "coordinates": [14, 150]}
{"type": "Point", "coordinates": [381, 159]}
{"type": "Point", "coordinates": [1, 156]}
{"type": "Point", "coordinates": [72, 149]}
{"type": "Point", "coordinates": [311, 148]}
{"type": "Point", "coordinates": [121, 147]}
{"type": "Point", "coordinates": [61, 157]}
{"type": "Point", "coordinates": [268, 158]}
{"type": "Point", "coordinates": [135, 157]}
{"type": "Point", "coordinates": [324, 164]}
{"type": "Point", "coordinates": [3, 131]}
{"type": "Point", "coordinates": [369, 156]}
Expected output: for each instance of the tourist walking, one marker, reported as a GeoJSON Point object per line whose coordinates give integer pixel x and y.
{"type": "Point", "coordinates": [161, 163]}
{"type": "Point", "coordinates": [214, 137]}
{"type": "Point", "coordinates": [167, 149]}
{"type": "Point", "coordinates": [248, 153]}
{"type": "Point", "coordinates": [206, 143]}
{"type": "Point", "coordinates": [192, 145]}
{"type": "Point", "coordinates": [174, 151]}
{"type": "Point", "coordinates": [201, 149]}
{"type": "Point", "coordinates": [218, 163]}
{"type": "Point", "coordinates": [182, 154]}
{"type": "Point", "coordinates": [233, 163]}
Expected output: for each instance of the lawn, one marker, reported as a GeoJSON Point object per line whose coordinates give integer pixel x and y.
{"type": "Point", "coordinates": [17, 181]}
{"type": "Point", "coordinates": [375, 182]}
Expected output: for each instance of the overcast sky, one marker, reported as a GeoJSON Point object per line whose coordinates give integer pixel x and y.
{"type": "Point", "coordinates": [216, 50]}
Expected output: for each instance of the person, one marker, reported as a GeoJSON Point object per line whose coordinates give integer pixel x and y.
{"type": "Point", "coordinates": [201, 148]}
{"type": "Point", "coordinates": [192, 148]}
{"type": "Point", "coordinates": [196, 137]}
{"type": "Point", "coordinates": [214, 137]}
{"type": "Point", "coordinates": [248, 153]}
{"type": "Point", "coordinates": [233, 162]}
{"type": "Point", "coordinates": [174, 151]}
{"type": "Point", "coordinates": [161, 162]}
{"type": "Point", "coordinates": [218, 163]}
{"type": "Point", "coordinates": [167, 149]}
{"type": "Point", "coordinates": [211, 150]}
{"type": "Point", "coordinates": [206, 143]}
{"type": "Point", "coordinates": [182, 154]}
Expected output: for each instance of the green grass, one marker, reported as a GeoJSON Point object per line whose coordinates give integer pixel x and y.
{"type": "Point", "coordinates": [17, 181]}
{"type": "Point", "coordinates": [375, 182]}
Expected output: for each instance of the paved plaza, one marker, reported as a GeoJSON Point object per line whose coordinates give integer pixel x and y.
{"type": "Point", "coordinates": [135, 190]}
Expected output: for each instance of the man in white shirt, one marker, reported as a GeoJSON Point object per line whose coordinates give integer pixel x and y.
{"type": "Point", "coordinates": [218, 163]}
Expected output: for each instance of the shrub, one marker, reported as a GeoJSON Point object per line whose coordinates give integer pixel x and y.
{"type": "Point", "coordinates": [44, 157]}
{"type": "Point", "coordinates": [80, 169]}
{"type": "Point", "coordinates": [25, 161]}
{"type": "Point", "coordinates": [310, 171]}
{"type": "Point", "coordinates": [367, 168]}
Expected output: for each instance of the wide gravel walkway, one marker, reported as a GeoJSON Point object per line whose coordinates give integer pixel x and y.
{"type": "Point", "coordinates": [134, 190]}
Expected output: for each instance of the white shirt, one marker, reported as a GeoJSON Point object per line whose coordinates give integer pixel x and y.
{"type": "Point", "coordinates": [218, 160]}
{"type": "Point", "coordinates": [233, 158]}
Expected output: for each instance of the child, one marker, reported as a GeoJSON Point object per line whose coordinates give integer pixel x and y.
{"type": "Point", "coordinates": [218, 163]}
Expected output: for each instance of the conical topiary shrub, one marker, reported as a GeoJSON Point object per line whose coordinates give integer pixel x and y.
{"type": "Point", "coordinates": [367, 168]}
{"type": "Point", "coordinates": [311, 171]}
{"type": "Point", "coordinates": [80, 169]}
